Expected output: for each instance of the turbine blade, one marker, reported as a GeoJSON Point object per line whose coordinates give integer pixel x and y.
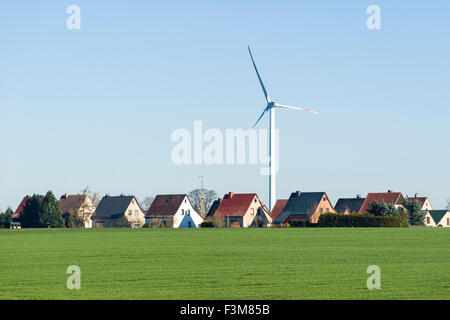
{"type": "Point", "coordinates": [262, 114]}
{"type": "Point", "coordinates": [259, 77]}
{"type": "Point", "coordinates": [296, 108]}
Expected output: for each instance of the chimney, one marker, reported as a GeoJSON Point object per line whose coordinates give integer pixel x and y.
{"type": "Point", "coordinates": [389, 191]}
{"type": "Point", "coordinates": [296, 194]}
{"type": "Point", "coordinates": [416, 195]}
{"type": "Point", "coordinates": [66, 195]}
{"type": "Point", "coordinates": [230, 195]}
{"type": "Point", "coordinates": [358, 196]}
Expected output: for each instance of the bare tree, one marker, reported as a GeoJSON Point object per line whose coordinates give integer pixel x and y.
{"type": "Point", "coordinates": [146, 203]}
{"type": "Point", "coordinates": [88, 205]}
{"type": "Point", "coordinates": [196, 198]}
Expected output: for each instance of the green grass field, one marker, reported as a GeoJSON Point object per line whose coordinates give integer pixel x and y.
{"type": "Point", "coordinates": [225, 263]}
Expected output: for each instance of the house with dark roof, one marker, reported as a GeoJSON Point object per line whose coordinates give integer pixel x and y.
{"type": "Point", "coordinates": [241, 210]}
{"type": "Point", "coordinates": [304, 206]}
{"type": "Point", "coordinates": [119, 211]}
{"type": "Point", "coordinates": [424, 202]}
{"type": "Point", "coordinates": [213, 208]}
{"type": "Point", "coordinates": [349, 205]}
{"type": "Point", "coordinates": [390, 197]}
{"type": "Point", "coordinates": [79, 204]}
{"type": "Point", "coordinates": [174, 210]}
{"type": "Point", "coordinates": [438, 218]}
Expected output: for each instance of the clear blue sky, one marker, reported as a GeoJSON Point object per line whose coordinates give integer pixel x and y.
{"type": "Point", "coordinates": [97, 106]}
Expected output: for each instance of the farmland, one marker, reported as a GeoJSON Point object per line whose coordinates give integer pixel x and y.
{"type": "Point", "coordinates": [225, 263]}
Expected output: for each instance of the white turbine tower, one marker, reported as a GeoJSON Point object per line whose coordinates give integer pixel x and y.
{"type": "Point", "coordinates": [271, 105]}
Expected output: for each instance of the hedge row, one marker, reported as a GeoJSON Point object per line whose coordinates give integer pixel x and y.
{"type": "Point", "coordinates": [207, 224]}
{"type": "Point", "coordinates": [361, 220]}
{"type": "Point", "coordinates": [301, 224]}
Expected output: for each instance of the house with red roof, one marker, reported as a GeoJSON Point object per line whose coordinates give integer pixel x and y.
{"type": "Point", "coordinates": [242, 210]}
{"type": "Point", "coordinates": [20, 208]}
{"type": "Point", "coordinates": [174, 210]}
{"type": "Point", "coordinates": [424, 202]}
{"type": "Point", "coordinates": [390, 197]}
{"type": "Point", "coordinates": [278, 208]}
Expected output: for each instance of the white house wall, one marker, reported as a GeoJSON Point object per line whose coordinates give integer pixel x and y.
{"type": "Point", "coordinates": [432, 223]}
{"type": "Point", "coordinates": [182, 221]}
{"type": "Point", "coordinates": [444, 222]}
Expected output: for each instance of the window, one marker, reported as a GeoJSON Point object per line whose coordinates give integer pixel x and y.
{"type": "Point", "coordinates": [129, 213]}
{"type": "Point", "coordinates": [182, 212]}
{"type": "Point", "coordinates": [320, 210]}
{"type": "Point", "coordinates": [252, 211]}
{"type": "Point", "coordinates": [136, 213]}
{"type": "Point", "coordinates": [327, 210]}
{"type": "Point", "coordinates": [448, 221]}
{"type": "Point", "coordinates": [428, 220]}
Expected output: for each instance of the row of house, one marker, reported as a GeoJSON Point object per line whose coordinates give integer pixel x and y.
{"type": "Point", "coordinates": [233, 210]}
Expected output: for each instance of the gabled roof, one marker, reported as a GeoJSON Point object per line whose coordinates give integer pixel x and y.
{"type": "Point", "coordinates": [300, 204]}
{"type": "Point", "coordinates": [235, 204]}
{"type": "Point", "coordinates": [278, 208]}
{"type": "Point", "coordinates": [73, 203]}
{"type": "Point", "coordinates": [113, 207]}
{"type": "Point", "coordinates": [390, 197]}
{"type": "Point", "coordinates": [213, 208]}
{"type": "Point", "coordinates": [349, 205]}
{"type": "Point", "coordinates": [437, 215]}
{"type": "Point", "coordinates": [421, 200]}
{"type": "Point", "coordinates": [166, 205]}
{"type": "Point", "coordinates": [21, 206]}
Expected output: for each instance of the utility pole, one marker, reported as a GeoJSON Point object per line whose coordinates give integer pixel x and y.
{"type": "Point", "coordinates": [202, 198]}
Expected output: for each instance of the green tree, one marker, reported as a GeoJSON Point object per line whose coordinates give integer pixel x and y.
{"type": "Point", "coordinates": [8, 216]}
{"type": "Point", "coordinates": [382, 209]}
{"type": "Point", "coordinates": [50, 214]}
{"type": "Point", "coordinates": [416, 216]}
{"type": "Point", "coordinates": [31, 212]}
{"type": "Point", "coordinates": [41, 213]}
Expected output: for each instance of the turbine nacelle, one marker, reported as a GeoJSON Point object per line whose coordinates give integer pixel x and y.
{"type": "Point", "coordinates": [271, 104]}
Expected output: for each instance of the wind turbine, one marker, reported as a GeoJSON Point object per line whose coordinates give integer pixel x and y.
{"type": "Point", "coordinates": [271, 106]}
